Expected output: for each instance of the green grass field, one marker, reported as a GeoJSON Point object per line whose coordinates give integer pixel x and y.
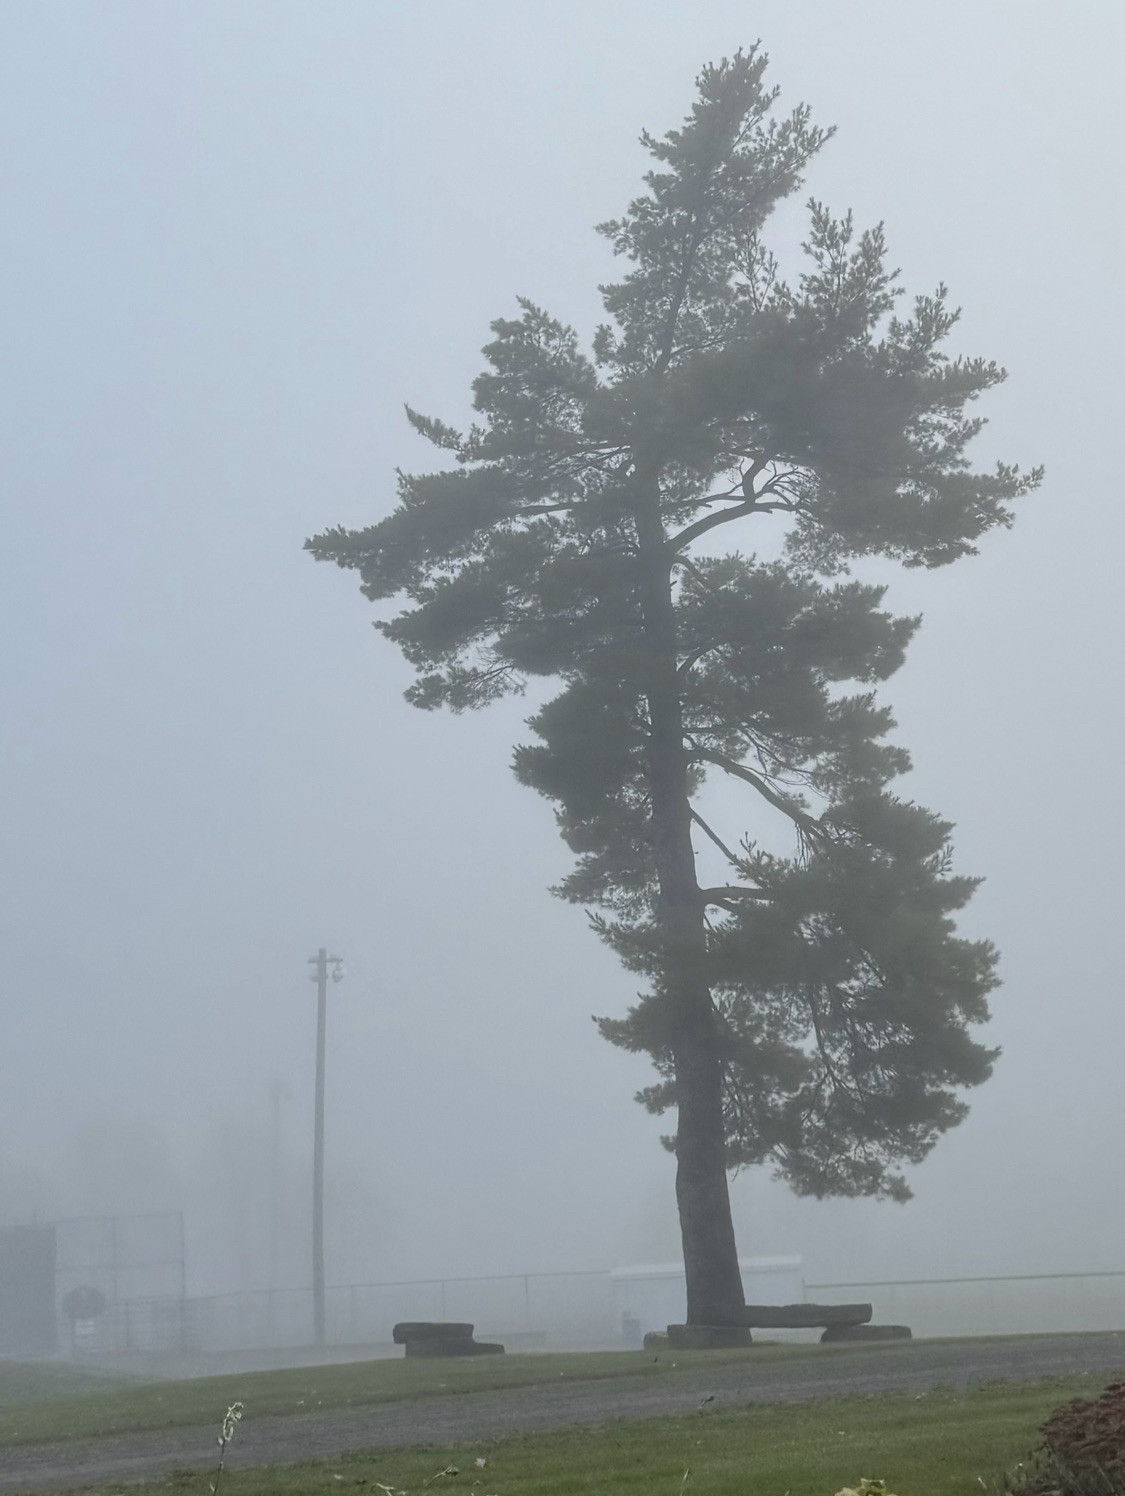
{"type": "Point", "coordinates": [942, 1443]}
{"type": "Point", "coordinates": [47, 1381]}
{"type": "Point", "coordinates": [937, 1444]}
{"type": "Point", "coordinates": [77, 1406]}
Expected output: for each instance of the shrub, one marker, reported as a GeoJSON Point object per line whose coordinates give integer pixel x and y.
{"type": "Point", "coordinates": [1083, 1450]}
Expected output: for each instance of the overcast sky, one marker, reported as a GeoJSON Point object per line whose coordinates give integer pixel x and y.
{"type": "Point", "coordinates": [239, 234]}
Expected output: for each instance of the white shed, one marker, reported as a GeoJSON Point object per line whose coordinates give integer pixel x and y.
{"type": "Point", "coordinates": [652, 1296]}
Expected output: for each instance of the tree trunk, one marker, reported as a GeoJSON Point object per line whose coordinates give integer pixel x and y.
{"type": "Point", "coordinates": [714, 1282]}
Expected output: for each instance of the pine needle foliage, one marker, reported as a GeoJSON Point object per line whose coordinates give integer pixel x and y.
{"type": "Point", "coordinates": [815, 1011]}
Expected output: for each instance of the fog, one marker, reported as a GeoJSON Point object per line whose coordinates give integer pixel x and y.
{"type": "Point", "coordinates": [238, 238]}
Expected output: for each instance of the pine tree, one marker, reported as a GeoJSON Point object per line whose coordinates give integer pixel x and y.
{"type": "Point", "coordinates": [813, 1011]}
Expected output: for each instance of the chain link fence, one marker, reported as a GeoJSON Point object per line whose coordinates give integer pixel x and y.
{"type": "Point", "coordinates": [558, 1311]}
{"type": "Point", "coordinates": [1023, 1304]}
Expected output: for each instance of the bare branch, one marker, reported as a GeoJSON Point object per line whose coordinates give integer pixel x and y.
{"type": "Point", "coordinates": [694, 656]}
{"type": "Point", "coordinates": [696, 575]}
{"type": "Point", "coordinates": [722, 846]}
{"type": "Point", "coordinates": [727, 896]}
{"type": "Point", "coordinates": [779, 484]}
{"type": "Point", "coordinates": [709, 522]}
{"type": "Point", "coordinates": [805, 823]}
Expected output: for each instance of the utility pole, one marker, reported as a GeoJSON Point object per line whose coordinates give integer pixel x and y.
{"type": "Point", "coordinates": [322, 961]}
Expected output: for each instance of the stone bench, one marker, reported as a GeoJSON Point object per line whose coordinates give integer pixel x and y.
{"type": "Point", "coordinates": [840, 1322]}
{"type": "Point", "coordinates": [441, 1338]}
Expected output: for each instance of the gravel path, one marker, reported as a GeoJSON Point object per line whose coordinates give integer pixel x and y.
{"type": "Point", "coordinates": [464, 1417]}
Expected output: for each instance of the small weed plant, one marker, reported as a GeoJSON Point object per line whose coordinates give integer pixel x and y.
{"type": "Point", "coordinates": [226, 1433]}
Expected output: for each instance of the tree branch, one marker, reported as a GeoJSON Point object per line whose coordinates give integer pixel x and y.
{"type": "Point", "coordinates": [725, 895]}
{"type": "Point", "coordinates": [694, 572]}
{"type": "Point", "coordinates": [722, 846]}
{"type": "Point", "coordinates": [731, 495]}
{"type": "Point", "coordinates": [801, 819]}
{"type": "Point", "coordinates": [667, 344]}
{"type": "Point", "coordinates": [694, 656]}
{"type": "Point", "coordinates": [752, 505]}
{"type": "Point", "coordinates": [709, 522]}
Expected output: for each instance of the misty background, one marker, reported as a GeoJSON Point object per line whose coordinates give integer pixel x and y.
{"type": "Point", "coordinates": [239, 235]}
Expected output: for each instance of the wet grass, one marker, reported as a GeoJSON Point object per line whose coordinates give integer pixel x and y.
{"type": "Point", "coordinates": [47, 1381]}
{"type": "Point", "coordinates": [135, 1406]}
{"type": "Point", "coordinates": [941, 1443]}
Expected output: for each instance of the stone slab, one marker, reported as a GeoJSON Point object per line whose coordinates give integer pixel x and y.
{"type": "Point", "coordinates": [421, 1329]}
{"type": "Point", "coordinates": [803, 1316]}
{"type": "Point", "coordinates": [707, 1337]}
{"type": "Point", "coordinates": [835, 1334]}
{"type": "Point", "coordinates": [433, 1346]}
